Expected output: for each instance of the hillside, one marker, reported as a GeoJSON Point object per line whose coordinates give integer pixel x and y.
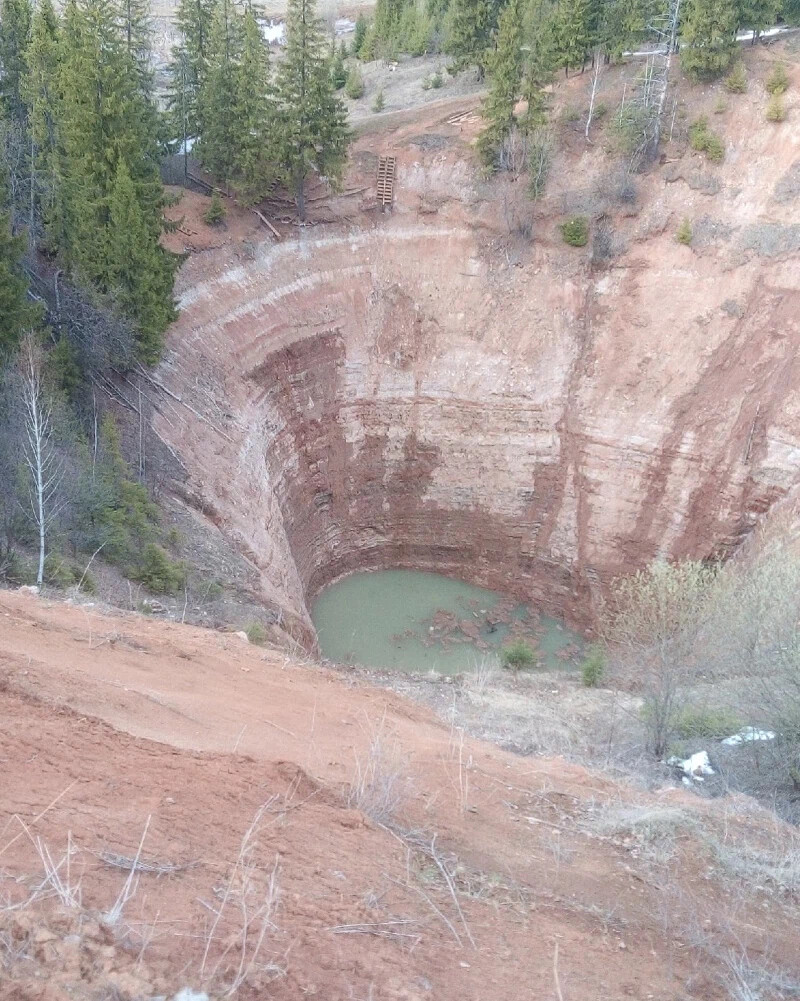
{"type": "Point", "coordinates": [452, 867]}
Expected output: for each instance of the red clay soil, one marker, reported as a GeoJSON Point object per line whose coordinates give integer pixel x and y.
{"type": "Point", "coordinates": [109, 720]}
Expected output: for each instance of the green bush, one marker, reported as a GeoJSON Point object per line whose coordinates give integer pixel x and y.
{"type": "Point", "coordinates": [354, 88]}
{"type": "Point", "coordinates": [736, 80]}
{"type": "Point", "coordinates": [575, 231]}
{"type": "Point", "coordinates": [705, 141]}
{"type": "Point", "coordinates": [378, 103]}
{"type": "Point", "coordinates": [158, 572]}
{"type": "Point", "coordinates": [215, 212]}
{"type": "Point", "coordinates": [778, 80]}
{"type": "Point", "coordinates": [594, 666]}
{"type": "Point", "coordinates": [776, 109]}
{"type": "Point", "coordinates": [16, 570]}
{"type": "Point", "coordinates": [256, 633]}
{"type": "Point", "coordinates": [570, 114]}
{"type": "Point", "coordinates": [693, 721]}
{"type": "Point", "coordinates": [518, 655]}
{"type": "Point", "coordinates": [437, 80]}
{"type": "Point", "coordinates": [720, 106]}
{"type": "Point", "coordinates": [684, 233]}
{"type": "Point", "coordinates": [338, 71]}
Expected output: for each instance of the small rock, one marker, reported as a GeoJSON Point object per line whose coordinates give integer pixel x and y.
{"type": "Point", "coordinates": [242, 635]}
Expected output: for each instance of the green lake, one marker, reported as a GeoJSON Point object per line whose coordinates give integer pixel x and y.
{"type": "Point", "coordinates": [407, 620]}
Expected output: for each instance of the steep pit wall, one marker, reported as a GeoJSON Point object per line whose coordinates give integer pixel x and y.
{"type": "Point", "coordinates": [407, 391]}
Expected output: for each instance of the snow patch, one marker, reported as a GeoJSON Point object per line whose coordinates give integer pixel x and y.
{"type": "Point", "coordinates": [748, 734]}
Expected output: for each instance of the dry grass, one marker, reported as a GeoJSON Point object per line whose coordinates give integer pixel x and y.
{"type": "Point", "coordinates": [380, 785]}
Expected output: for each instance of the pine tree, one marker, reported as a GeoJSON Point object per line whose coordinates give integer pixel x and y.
{"type": "Point", "coordinates": [708, 37]}
{"type": "Point", "coordinates": [17, 313]}
{"type": "Point", "coordinates": [313, 120]}
{"type": "Point", "coordinates": [15, 32]}
{"type": "Point", "coordinates": [505, 68]}
{"type": "Point", "coordinates": [188, 67]}
{"type": "Point", "coordinates": [470, 27]}
{"type": "Point", "coordinates": [140, 271]}
{"type": "Point", "coordinates": [254, 115]}
{"type": "Point", "coordinates": [623, 25]}
{"type": "Point", "coordinates": [41, 92]}
{"type": "Point", "coordinates": [218, 93]}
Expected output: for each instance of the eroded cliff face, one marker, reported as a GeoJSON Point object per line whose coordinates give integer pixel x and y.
{"type": "Point", "coordinates": [429, 389]}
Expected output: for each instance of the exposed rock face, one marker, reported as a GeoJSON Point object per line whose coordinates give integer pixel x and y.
{"type": "Point", "coordinates": [424, 391]}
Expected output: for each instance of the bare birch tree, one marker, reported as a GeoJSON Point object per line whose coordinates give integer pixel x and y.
{"type": "Point", "coordinates": [43, 462]}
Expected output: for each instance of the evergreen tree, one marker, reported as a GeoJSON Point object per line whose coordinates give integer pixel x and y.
{"type": "Point", "coordinates": [140, 270]}
{"type": "Point", "coordinates": [388, 14]}
{"type": "Point", "coordinates": [15, 32]}
{"type": "Point", "coordinates": [572, 33]}
{"type": "Point", "coordinates": [359, 34]}
{"type": "Point", "coordinates": [254, 115]}
{"type": "Point", "coordinates": [623, 25]}
{"type": "Point", "coordinates": [469, 33]}
{"type": "Point", "coordinates": [188, 68]}
{"type": "Point", "coordinates": [106, 122]}
{"type": "Point", "coordinates": [757, 15]}
{"type": "Point", "coordinates": [135, 22]}
{"type": "Point", "coordinates": [708, 37]}
{"type": "Point", "coordinates": [540, 62]}
{"type": "Point", "coordinates": [505, 68]}
{"type": "Point", "coordinates": [218, 93]}
{"type": "Point", "coordinates": [42, 97]}
{"type": "Point", "coordinates": [313, 120]}
{"type": "Point", "coordinates": [17, 313]}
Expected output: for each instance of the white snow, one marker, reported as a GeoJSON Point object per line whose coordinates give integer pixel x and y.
{"type": "Point", "coordinates": [694, 767]}
{"type": "Point", "coordinates": [748, 734]}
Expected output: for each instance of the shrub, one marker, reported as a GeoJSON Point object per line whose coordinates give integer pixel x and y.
{"type": "Point", "coordinates": [16, 570]}
{"type": "Point", "coordinates": [684, 233]}
{"type": "Point", "coordinates": [256, 633]}
{"type": "Point", "coordinates": [354, 88]}
{"type": "Point", "coordinates": [518, 655]}
{"type": "Point", "coordinates": [776, 109]}
{"type": "Point", "coordinates": [593, 666]}
{"type": "Point", "coordinates": [778, 80]}
{"type": "Point", "coordinates": [216, 211]}
{"type": "Point", "coordinates": [736, 80]}
{"type": "Point", "coordinates": [158, 572]}
{"type": "Point", "coordinates": [437, 80]}
{"type": "Point", "coordinates": [570, 114]}
{"type": "Point", "coordinates": [378, 103]}
{"type": "Point", "coordinates": [705, 141]}
{"type": "Point", "coordinates": [575, 231]}
{"type": "Point", "coordinates": [692, 721]}
{"type": "Point", "coordinates": [720, 106]}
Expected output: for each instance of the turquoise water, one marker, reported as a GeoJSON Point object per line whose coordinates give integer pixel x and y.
{"type": "Point", "coordinates": [411, 621]}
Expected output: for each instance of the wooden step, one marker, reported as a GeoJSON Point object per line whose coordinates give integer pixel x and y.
{"type": "Point", "coordinates": [385, 182]}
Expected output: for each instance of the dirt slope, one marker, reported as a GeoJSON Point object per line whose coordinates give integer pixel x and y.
{"type": "Point", "coordinates": [109, 720]}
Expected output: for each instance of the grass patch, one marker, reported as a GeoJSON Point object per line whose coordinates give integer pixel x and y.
{"type": "Point", "coordinates": [736, 80]}
{"type": "Point", "coordinates": [776, 109]}
{"type": "Point", "coordinates": [778, 80]}
{"type": "Point", "coordinates": [704, 140]}
{"type": "Point", "coordinates": [593, 667]}
{"type": "Point", "coordinates": [256, 633]}
{"type": "Point", "coordinates": [684, 233]}
{"type": "Point", "coordinates": [517, 656]}
{"type": "Point", "coordinates": [692, 721]}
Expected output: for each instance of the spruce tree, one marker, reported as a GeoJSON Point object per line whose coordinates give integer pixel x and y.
{"type": "Point", "coordinates": [188, 67]}
{"type": "Point", "coordinates": [17, 313]}
{"type": "Point", "coordinates": [254, 115]}
{"type": "Point", "coordinates": [41, 93]}
{"type": "Point", "coordinates": [757, 15]}
{"type": "Point", "coordinates": [505, 68]}
{"type": "Point", "coordinates": [218, 93]}
{"type": "Point", "coordinates": [313, 120]}
{"type": "Point", "coordinates": [135, 22]}
{"type": "Point", "coordinates": [540, 61]}
{"type": "Point", "coordinates": [15, 32]}
{"type": "Point", "coordinates": [572, 33]}
{"type": "Point", "coordinates": [107, 134]}
{"type": "Point", "coordinates": [708, 37]}
{"type": "Point", "coordinates": [469, 33]}
{"type": "Point", "coordinates": [140, 270]}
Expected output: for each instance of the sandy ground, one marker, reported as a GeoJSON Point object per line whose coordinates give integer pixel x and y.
{"type": "Point", "coordinates": [109, 720]}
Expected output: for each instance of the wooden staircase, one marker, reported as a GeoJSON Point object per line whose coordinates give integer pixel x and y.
{"type": "Point", "coordinates": [386, 168]}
